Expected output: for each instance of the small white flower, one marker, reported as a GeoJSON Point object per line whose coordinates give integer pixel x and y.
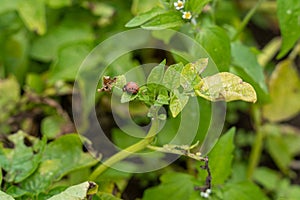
{"type": "Point", "coordinates": [204, 194]}
{"type": "Point", "coordinates": [187, 15]}
{"type": "Point", "coordinates": [179, 4]}
{"type": "Point", "coordinates": [208, 191]}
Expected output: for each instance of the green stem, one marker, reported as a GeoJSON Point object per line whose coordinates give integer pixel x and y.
{"type": "Point", "coordinates": [257, 145]}
{"type": "Point", "coordinates": [128, 151]}
{"type": "Point", "coordinates": [246, 20]}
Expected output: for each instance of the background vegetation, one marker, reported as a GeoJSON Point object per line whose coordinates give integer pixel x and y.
{"type": "Point", "coordinates": [43, 43]}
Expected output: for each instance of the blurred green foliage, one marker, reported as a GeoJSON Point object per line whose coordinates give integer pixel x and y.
{"type": "Point", "coordinates": [44, 42]}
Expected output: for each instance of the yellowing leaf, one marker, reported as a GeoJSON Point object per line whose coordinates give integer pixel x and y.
{"type": "Point", "coordinates": [227, 87]}
{"type": "Point", "coordinates": [284, 86]}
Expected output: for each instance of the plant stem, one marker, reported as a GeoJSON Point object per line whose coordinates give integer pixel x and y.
{"type": "Point", "coordinates": [129, 150]}
{"type": "Point", "coordinates": [257, 145]}
{"type": "Point", "coordinates": [246, 20]}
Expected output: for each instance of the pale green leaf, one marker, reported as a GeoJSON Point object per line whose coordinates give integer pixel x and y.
{"type": "Point", "coordinates": [51, 126]}
{"type": "Point", "coordinates": [21, 161]}
{"type": "Point", "coordinates": [266, 177]}
{"type": "Point", "coordinates": [58, 3]}
{"type": "Point", "coordinates": [4, 196]}
{"type": "Point", "coordinates": [172, 76]}
{"type": "Point", "coordinates": [157, 73]}
{"type": "Point", "coordinates": [288, 12]}
{"type": "Point", "coordinates": [144, 17]}
{"type": "Point", "coordinates": [189, 76]}
{"type": "Point", "coordinates": [8, 5]}
{"type": "Point", "coordinates": [227, 87]}
{"type": "Point", "coordinates": [177, 103]}
{"type": "Point", "coordinates": [76, 192]}
{"type": "Point", "coordinates": [284, 86]}
{"type": "Point", "coordinates": [279, 151]}
{"type": "Point", "coordinates": [33, 14]}
{"type": "Point", "coordinates": [126, 97]}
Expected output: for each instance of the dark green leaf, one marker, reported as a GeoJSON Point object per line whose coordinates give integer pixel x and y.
{"type": "Point", "coordinates": [167, 20]}
{"type": "Point", "coordinates": [157, 73]}
{"type": "Point", "coordinates": [220, 158]}
{"type": "Point", "coordinates": [246, 61]}
{"type": "Point", "coordinates": [217, 43]}
{"type": "Point", "coordinates": [78, 192]}
{"type": "Point", "coordinates": [33, 14]}
{"type": "Point", "coordinates": [284, 86]}
{"type": "Point", "coordinates": [243, 190]}
{"type": "Point", "coordinates": [144, 17]}
{"type": "Point", "coordinates": [173, 186]}
{"type": "Point", "coordinates": [288, 12]}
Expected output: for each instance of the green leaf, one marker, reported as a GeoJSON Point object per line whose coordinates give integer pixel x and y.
{"type": "Point", "coordinates": [68, 62]}
{"type": "Point", "coordinates": [279, 151]}
{"type": "Point", "coordinates": [8, 5]}
{"type": "Point", "coordinates": [21, 161]}
{"type": "Point", "coordinates": [246, 61]}
{"type": "Point", "coordinates": [107, 196]}
{"type": "Point", "coordinates": [51, 126]}
{"type": "Point", "coordinates": [173, 186]}
{"type": "Point", "coordinates": [4, 196]}
{"type": "Point", "coordinates": [266, 177]}
{"type": "Point", "coordinates": [189, 76]}
{"type": "Point", "coordinates": [33, 14]}
{"type": "Point", "coordinates": [35, 83]}
{"type": "Point", "coordinates": [15, 48]}
{"type": "Point", "coordinates": [45, 48]}
{"type": "Point", "coordinates": [177, 103]}
{"type": "Point", "coordinates": [60, 157]}
{"type": "Point", "coordinates": [217, 43]}
{"type": "Point", "coordinates": [243, 190]}
{"type": "Point", "coordinates": [126, 97]}
{"type": "Point", "coordinates": [288, 12]}
{"type": "Point", "coordinates": [172, 76]}
{"type": "Point", "coordinates": [78, 192]}
{"type": "Point", "coordinates": [58, 3]}
{"type": "Point", "coordinates": [167, 20]}
{"type": "Point", "coordinates": [144, 17]}
{"type": "Point", "coordinates": [225, 86]}
{"type": "Point", "coordinates": [157, 73]}
{"type": "Point", "coordinates": [196, 6]}
{"type": "Point", "coordinates": [220, 158]}
{"type": "Point", "coordinates": [284, 86]}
